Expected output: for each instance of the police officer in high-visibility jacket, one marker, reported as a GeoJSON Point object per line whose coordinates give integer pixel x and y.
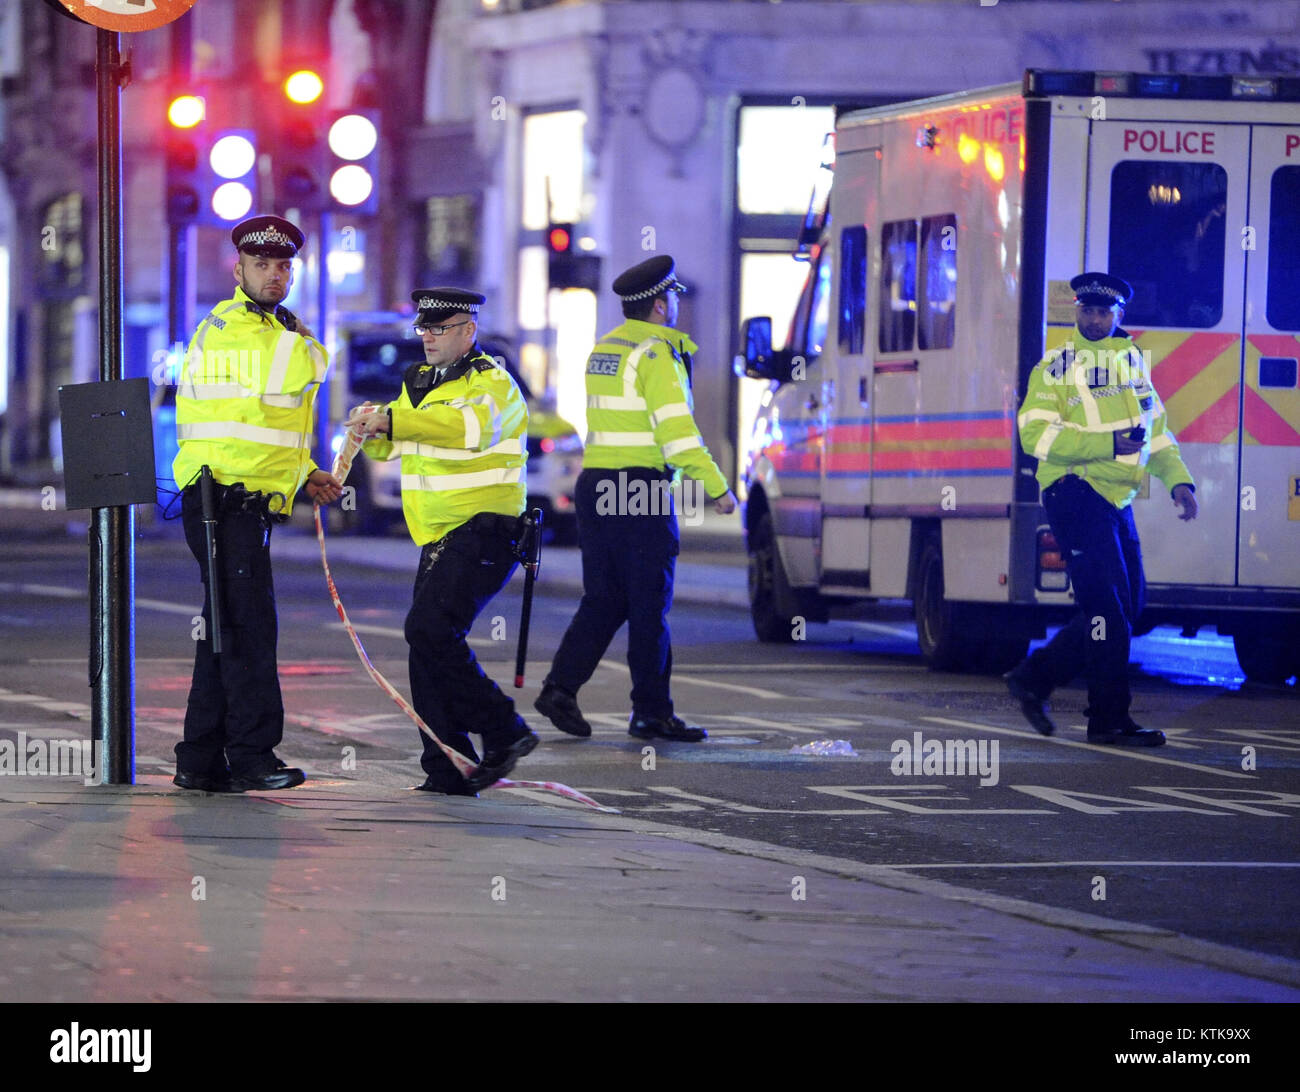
{"type": "Point", "coordinates": [245, 403]}
{"type": "Point", "coordinates": [1096, 426]}
{"type": "Point", "coordinates": [639, 416]}
{"type": "Point", "coordinates": [460, 427]}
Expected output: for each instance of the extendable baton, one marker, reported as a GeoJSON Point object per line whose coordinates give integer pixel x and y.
{"type": "Point", "coordinates": [530, 553]}
{"type": "Point", "coordinates": [209, 507]}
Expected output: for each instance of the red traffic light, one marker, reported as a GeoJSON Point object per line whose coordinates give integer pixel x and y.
{"type": "Point", "coordinates": [559, 239]}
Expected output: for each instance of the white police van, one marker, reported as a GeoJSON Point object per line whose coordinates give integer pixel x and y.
{"type": "Point", "coordinates": [884, 464]}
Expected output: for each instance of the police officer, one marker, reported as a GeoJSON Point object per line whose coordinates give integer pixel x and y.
{"type": "Point", "coordinates": [639, 415]}
{"type": "Point", "coordinates": [245, 408]}
{"type": "Point", "coordinates": [460, 427]}
{"type": "Point", "coordinates": [1096, 426]}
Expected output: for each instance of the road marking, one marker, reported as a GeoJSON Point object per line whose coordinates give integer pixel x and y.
{"type": "Point", "coordinates": [753, 691]}
{"type": "Point", "coordinates": [400, 634]}
{"type": "Point", "coordinates": [56, 590]}
{"type": "Point", "coordinates": [906, 632]}
{"type": "Point", "coordinates": [168, 608]}
{"type": "Point", "coordinates": [1103, 864]}
{"type": "Point", "coordinates": [1091, 748]}
{"type": "Point", "coordinates": [76, 709]}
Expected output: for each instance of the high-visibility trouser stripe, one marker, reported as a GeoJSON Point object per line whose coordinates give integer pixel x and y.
{"type": "Point", "coordinates": [280, 362]}
{"type": "Point", "coordinates": [238, 430]}
{"type": "Point", "coordinates": [615, 402]}
{"type": "Point", "coordinates": [505, 447]}
{"type": "Point", "coordinates": [676, 447]}
{"type": "Point", "coordinates": [212, 391]}
{"type": "Point", "coordinates": [621, 439]}
{"type": "Point", "coordinates": [442, 483]}
{"type": "Point", "coordinates": [668, 412]}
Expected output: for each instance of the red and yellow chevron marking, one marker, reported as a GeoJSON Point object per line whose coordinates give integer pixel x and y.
{"type": "Point", "coordinates": [1197, 377]}
{"type": "Point", "coordinates": [1272, 414]}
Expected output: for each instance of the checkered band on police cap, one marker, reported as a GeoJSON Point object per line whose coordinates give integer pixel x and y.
{"type": "Point", "coordinates": [438, 303]}
{"type": "Point", "coordinates": [649, 293]}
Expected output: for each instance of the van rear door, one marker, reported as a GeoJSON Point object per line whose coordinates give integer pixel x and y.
{"type": "Point", "coordinates": [1166, 208]}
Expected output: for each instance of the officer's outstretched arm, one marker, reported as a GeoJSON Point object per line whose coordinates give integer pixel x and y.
{"type": "Point", "coordinates": [675, 432]}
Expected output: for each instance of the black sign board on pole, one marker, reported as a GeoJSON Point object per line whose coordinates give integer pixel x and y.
{"type": "Point", "coordinates": [108, 457]}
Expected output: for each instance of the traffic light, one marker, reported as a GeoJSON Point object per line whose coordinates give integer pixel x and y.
{"type": "Point", "coordinates": [299, 152]}
{"type": "Point", "coordinates": [354, 161]}
{"type": "Point", "coordinates": [231, 176]}
{"type": "Point", "coordinates": [184, 158]}
{"type": "Point", "coordinates": [565, 266]}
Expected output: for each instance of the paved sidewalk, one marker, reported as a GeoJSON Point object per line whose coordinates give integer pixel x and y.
{"type": "Point", "coordinates": [353, 891]}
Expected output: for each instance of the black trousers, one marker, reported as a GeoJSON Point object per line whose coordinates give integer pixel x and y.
{"type": "Point", "coordinates": [628, 563]}
{"type": "Point", "coordinates": [1104, 558]}
{"type": "Point", "coordinates": [235, 716]}
{"type": "Point", "coordinates": [457, 577]}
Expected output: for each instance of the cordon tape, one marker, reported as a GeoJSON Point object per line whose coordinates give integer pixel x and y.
{"type": "Point", "coordinates": [342, 466]}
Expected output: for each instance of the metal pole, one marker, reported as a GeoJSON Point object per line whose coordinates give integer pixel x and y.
{"type": "Point", "coordinates": [112, 533]}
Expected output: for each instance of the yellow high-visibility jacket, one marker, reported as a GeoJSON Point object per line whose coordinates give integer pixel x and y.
{"type": "Point", "coordinates": [463, 445]}
{"type": "Point", "coordinates": [639, 405]}
{"type": "Point", "coordinates": [245, 400]}
{"type": "Point", "coordinates": [1079, 396]}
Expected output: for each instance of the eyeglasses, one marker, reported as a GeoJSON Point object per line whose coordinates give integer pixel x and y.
{"type": "Point", "coordinates": [437, 331]}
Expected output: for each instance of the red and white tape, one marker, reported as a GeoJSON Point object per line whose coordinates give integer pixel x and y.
{"type": "Point", "coordinates": [342, 466]}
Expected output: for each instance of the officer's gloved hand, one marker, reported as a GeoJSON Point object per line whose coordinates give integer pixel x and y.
{"type": "Point", "coordinates": [368, 420]}
{"type": "Point", "coordinates": [725, 504]}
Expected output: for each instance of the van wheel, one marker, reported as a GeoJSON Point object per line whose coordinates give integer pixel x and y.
{"type": "Point", "coordinates": [1266, 653]}
{"type": "Point", "coordinates": [768, 587]}
{"type": "Point", "coordinates": [940, 623]}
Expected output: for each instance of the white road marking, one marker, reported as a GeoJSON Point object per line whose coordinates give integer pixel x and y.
{"type": "Point", "coordinates": [169, 608]}
{"type": "Point", "coordinates": [1091, 748]}
{"type": "Point", "coordinates": [904, 631]}
{"type": "Point", "coordinates": [1104, 864]}
{"type": "Point", "coordinates": [400, 634]}
{"type": "Point", "coordinates": [753, 691]}
{"type": "Point", "coordinates": [55, 590]}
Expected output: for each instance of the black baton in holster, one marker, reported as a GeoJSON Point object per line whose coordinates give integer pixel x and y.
{"type": "Point", "coordinates": [208, 503]}
{"type": "Point", "coordinates": [529, 552]}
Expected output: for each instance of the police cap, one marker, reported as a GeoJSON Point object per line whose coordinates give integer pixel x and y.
{"type": "Point", "coordinates": [436, 304]}
{"type": "Point", "coordinates": [651, 278]}
{"type": "Point", "coordinates": [267, 237]}
{"type": "Point", "coordinates": [1101, 289]}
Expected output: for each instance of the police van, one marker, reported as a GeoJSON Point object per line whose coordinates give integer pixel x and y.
{"type": "Point", "coordinates": [884, 464]}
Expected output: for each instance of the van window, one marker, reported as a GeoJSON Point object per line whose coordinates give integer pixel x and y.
{"type": "Point", "coordinates": [853, 290]}
{"type": "Point", "coordinates": [897, 286]}
{"type": "Point", "coordinates": [820, 312]}
{"type": "Point", "coordinates": [1283, 307]}
{"type": "Point", "coordinates": [1167, 236]}
{"type": "Point", "coordinates": [938, 287]}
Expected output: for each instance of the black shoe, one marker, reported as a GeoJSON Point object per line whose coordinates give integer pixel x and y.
{"type": "Point", "coordinates": [499, 761]}
{"type": "Point", "coordinates": [204, 782]}
{"type": "Point", "coordinates": [285, 777]}
{"type": "Point", "coordinates": [1130, 735]}
{"type": "Point", "coordinates": [1030, 704]}
{"type": "Point", "coordinates": [561, 709]}
{"type": "Point", "coordinates": [674, 729]}
{"type": "Point", "coordinates": [443, 789]}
